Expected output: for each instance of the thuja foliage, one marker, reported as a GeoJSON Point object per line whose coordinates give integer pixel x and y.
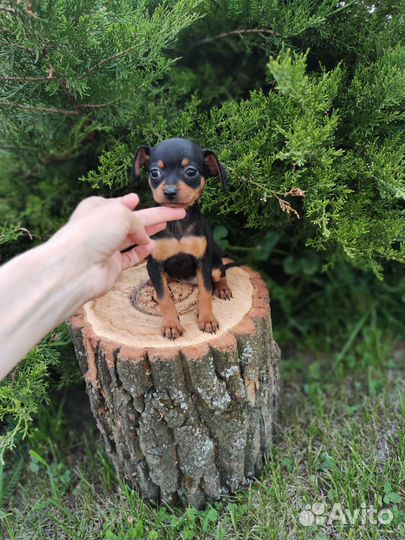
{"type": "Point", "coordinates": [76, 76]}
{"type": "Point", "coordinates": [302, 100]}
{"type": "Point", "coordinates": [295, 97]}
{"type": "Point", "coordinates": [21, 394]}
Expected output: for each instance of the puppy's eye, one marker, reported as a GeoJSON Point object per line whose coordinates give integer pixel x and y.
{"type": "Point", "coordinates": [190, 172]}
{"type": "Point", "coordinates": [154, 173]}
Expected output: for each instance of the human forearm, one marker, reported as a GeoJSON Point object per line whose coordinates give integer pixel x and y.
{"type": "Point", "coordinates": [38, 290]}
{"type": "Point", "coordinates": [44, 286]}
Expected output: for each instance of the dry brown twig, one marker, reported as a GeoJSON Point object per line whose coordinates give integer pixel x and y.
{"type": "Point", "coordinates": [295, 192]}
{"type": "Point", "coordinates": [29, 233]}
{"type": "Point", "coordinates": [286, 207]}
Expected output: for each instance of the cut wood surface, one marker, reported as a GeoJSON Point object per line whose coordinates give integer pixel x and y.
{"type": "Point", "coordinates": [189, 420]}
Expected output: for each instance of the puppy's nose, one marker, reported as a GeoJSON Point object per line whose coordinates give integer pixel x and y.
{"type": "Point", "coordinates": [170, 192]}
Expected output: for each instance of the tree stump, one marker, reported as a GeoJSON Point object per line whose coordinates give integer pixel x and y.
{"type": "Point", "coordinates": [189, 420]}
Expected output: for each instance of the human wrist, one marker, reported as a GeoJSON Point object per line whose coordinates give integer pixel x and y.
{"type": "Point", "coordinates": [40, 289]}
{"type": "Point", "coordinates": [69, 269]}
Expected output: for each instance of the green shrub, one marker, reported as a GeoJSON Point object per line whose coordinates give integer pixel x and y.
{"type": "Point", "coordinates": [298, 98]}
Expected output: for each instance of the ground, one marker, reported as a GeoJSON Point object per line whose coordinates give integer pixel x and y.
{"type": "Point", "coordinates": [340, 451]}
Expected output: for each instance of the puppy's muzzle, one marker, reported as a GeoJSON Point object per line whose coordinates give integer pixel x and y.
{"type": "Point", "coordinates": [170, 192]}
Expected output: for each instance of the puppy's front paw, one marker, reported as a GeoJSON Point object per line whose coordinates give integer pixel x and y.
{"type": "Point", "coordinates": [172, 329]}
{"type": "Point", "coordinates": [222, 290]}
{"type": "Point", "coordinates": [208, 323]}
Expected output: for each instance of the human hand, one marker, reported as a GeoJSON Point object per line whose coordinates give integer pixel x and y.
{"type": "Point", "coordinates": [99, 229]}
{"type": "Point", "coordinates": [47, 284]}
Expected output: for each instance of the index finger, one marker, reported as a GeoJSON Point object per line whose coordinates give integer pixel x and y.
{"type": "Point", "coordinates": [130, 200]}
{"type": "Point", "coordinates": [151, 216]}
{"type": "Point", "coordinates": [137, 230]}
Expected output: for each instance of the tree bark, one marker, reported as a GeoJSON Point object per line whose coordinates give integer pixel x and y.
{"type": "Point", "coordinates": [188, 421]}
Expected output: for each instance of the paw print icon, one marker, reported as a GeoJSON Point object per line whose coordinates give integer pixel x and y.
{"type": "Point", "coordinates": [313, 515]}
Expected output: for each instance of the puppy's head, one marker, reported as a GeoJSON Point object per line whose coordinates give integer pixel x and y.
{"type": "Point", "coordinates": [177, 170]}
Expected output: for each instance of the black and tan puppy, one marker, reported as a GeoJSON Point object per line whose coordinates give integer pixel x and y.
{"type": "Point", "coordinates": [186, 249]}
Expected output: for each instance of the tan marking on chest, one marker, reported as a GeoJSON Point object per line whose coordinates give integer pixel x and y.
{"type": "Point", "coordinates": [169, 247]}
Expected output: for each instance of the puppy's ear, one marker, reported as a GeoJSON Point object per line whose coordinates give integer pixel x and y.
{"type": "Point", "coordinates": [213, 167]}
{"type": "Point", "coordinates": [141, 159]}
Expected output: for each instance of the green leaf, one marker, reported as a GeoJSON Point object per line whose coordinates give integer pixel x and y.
{"type": "Point", "coordinates": [332, 495]}
{"type": "Point", "coordinates": [220, 234]}
{"type": "Point", "coordinates": [392, 497]}
{"type": "Point", "coordinates": [36, 457]}
{"type": "Point", "coordinates": [212, 514]}
{"type": "Point", "coordinates": [309, 264]}
{"type": "Point", "coordinates": [387, 487]}
{"type": "Point", "coordinates": [137, 531]}
{"type": "Point", "coordinates": [291, 265]}
{"type": "Point", "coordinates": [109, 535]}
{"type": "Point", "coordinates": [265, 248]}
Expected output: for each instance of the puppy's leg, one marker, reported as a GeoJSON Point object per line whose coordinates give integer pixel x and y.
{"type": "Point", "coordinates": [207, 321]}
{"type": "Point", "coordinates": [221, 287]}
{"type": "Point", "coordinates": [170, 279]}
{"type": "Point", "coordinates": [171, 327]}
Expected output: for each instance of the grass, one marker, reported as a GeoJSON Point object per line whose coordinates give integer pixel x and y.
{"type": "Point", "coordinates": [340, 444]}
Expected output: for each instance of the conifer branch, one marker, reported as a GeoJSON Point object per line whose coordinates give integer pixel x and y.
{"type": "Point", "coordinates": [67, 91]}
{"type": "Point", "coordinates": [17, 46]}
{"type": "Point", "coordinates": [66, 112]}
{"type": "Point", "coordinates": [13, 11]}
{"type": "Point", "coordinates": [10, 148]}
{"type": "Point", "coordinates": [25, 79]}
{"type": "Point", "coordinates": [96, 105]}
{"type": "Point", "coordinates": [57, 159]}
{"type": "Point", "coordinates": [8, 9]}
{"type": "Point", "coordinates": [28, 9]}
{"type": "Point", "coordinates": [79, 106]}
{"type": "Point", "coordinates": [105, 61]}
{"type": "Point", "coordinates": [238, 32]}
{"type": "Point", "coordinates": [30, 108]}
